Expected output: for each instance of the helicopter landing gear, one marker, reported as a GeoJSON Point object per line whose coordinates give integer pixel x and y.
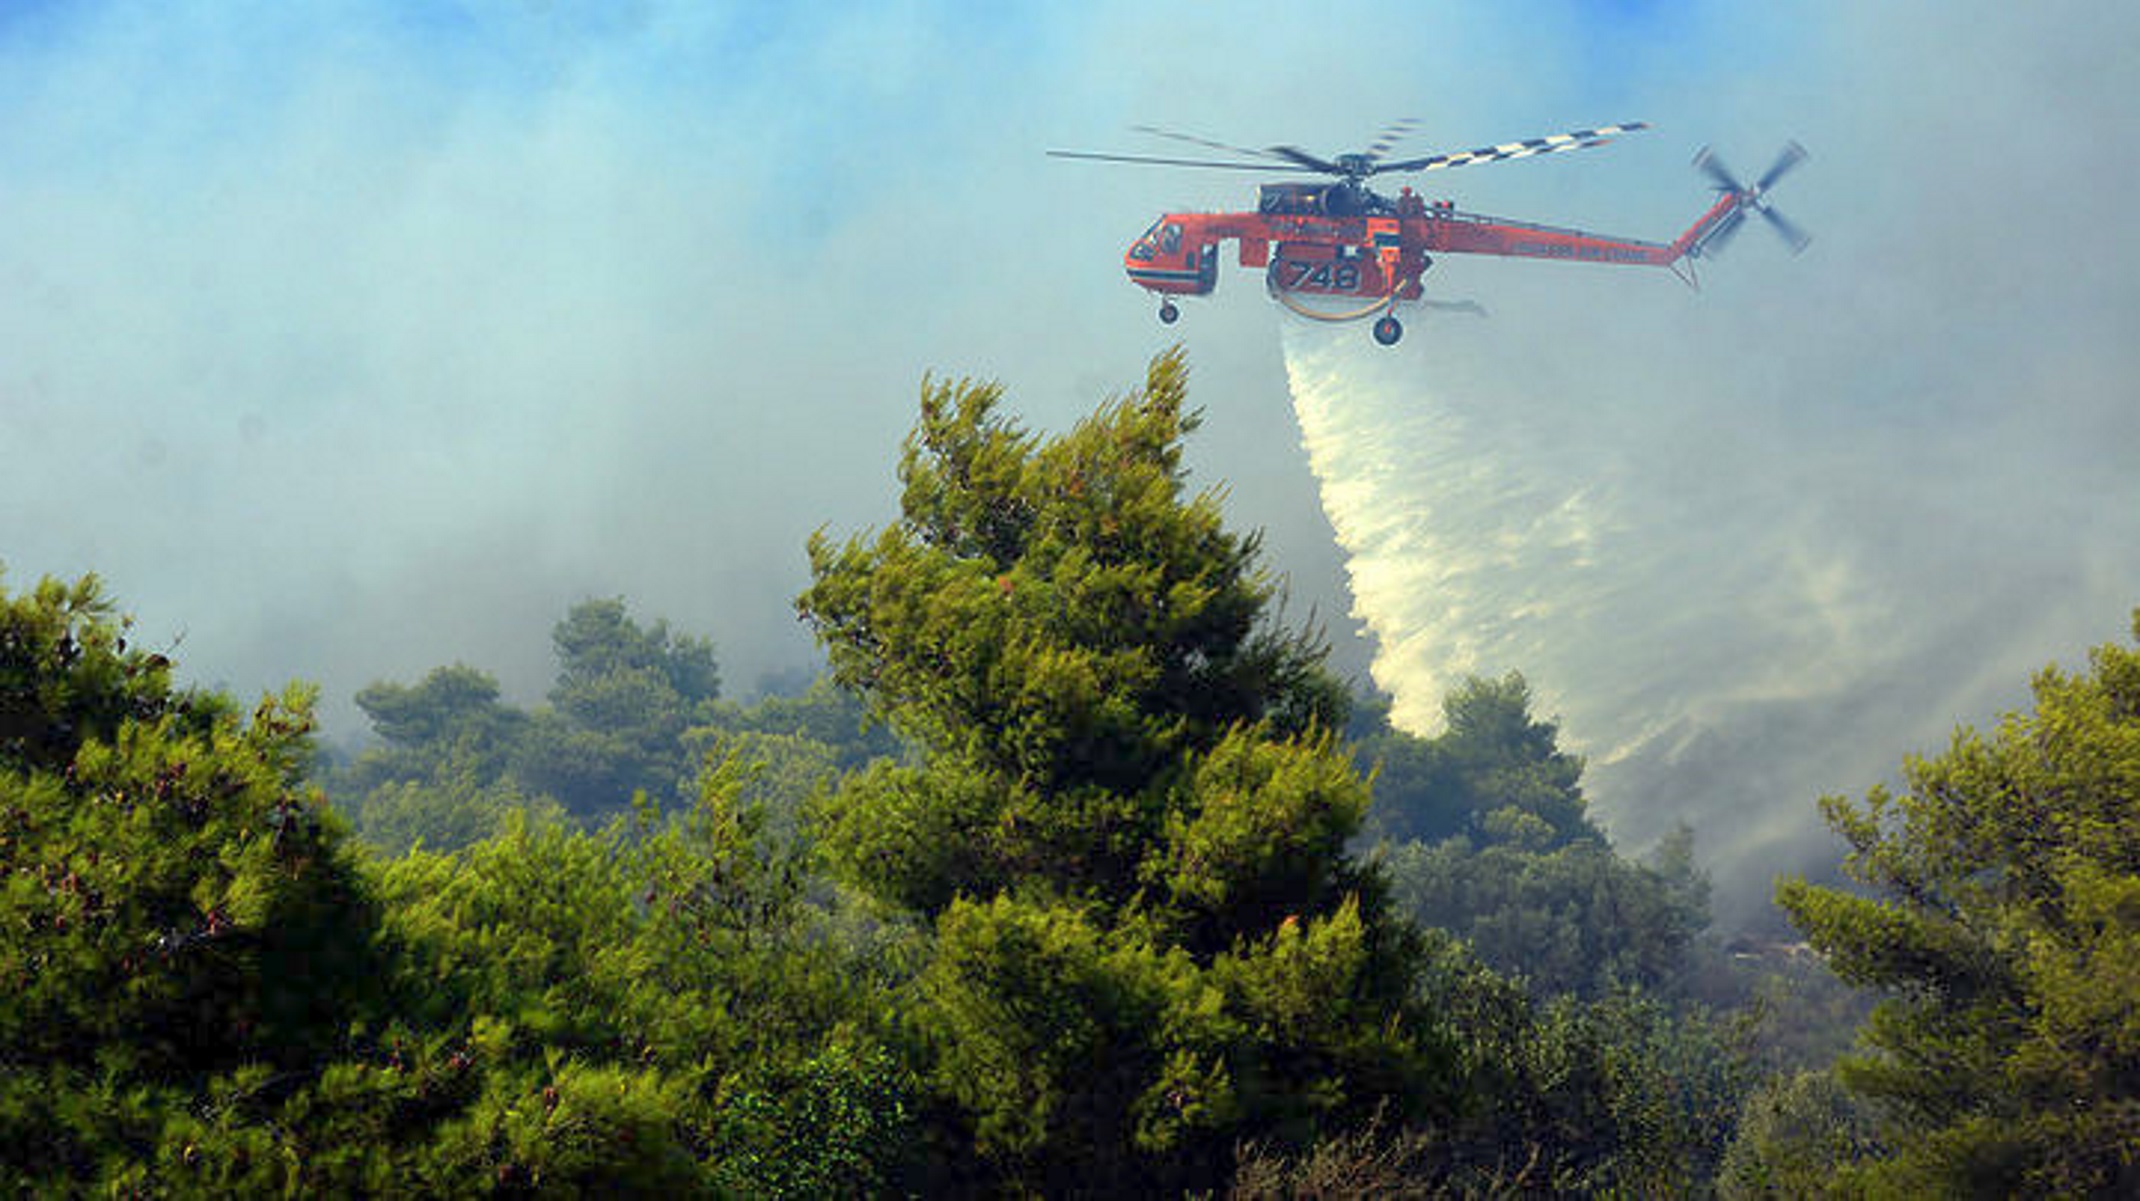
{"type": "Point", "coordinates": [1168, 314]}
{"type": "Point", "coordinates": [1387, 331]}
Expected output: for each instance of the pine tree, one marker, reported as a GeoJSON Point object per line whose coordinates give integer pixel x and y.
{"type": "Point", "coordinates": [2004, 925]}
{"type": "Point", "coordinates": [1128, 814]}
{"type": "Point", "coordinates": [176, 904]}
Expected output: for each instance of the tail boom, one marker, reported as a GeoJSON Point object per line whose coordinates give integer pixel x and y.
{"type": "Point", "coordinates": [1727, 211]}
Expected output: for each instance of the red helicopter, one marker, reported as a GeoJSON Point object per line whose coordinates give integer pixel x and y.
{"type": "Point", "coordinates": [1340, 252]}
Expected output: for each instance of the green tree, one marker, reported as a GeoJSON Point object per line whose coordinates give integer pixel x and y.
{"type": "Point", "coordinates": [787, 771]}
{"type": "Point", "coordinates": [1589, 1065]}
{"type": "Point", "coordinates": [1485, 834]}
{"type": "Point", "coordinates": [1578, 920]}
{"type": "Point", "coordinates": [1798, 1134]}
{"type": "Point", "coordinates": [838, 1124]}
{"type": "Point", "coordinates": [208, 995]}
{"type": "Point", "coordinates": [1495, 774]}
{"type": "Point", "coordinates": [624, 696]}
{"type": "Point", "coordinates": [824, 714]}
{"type": "Point", "coordinates": [441, 774]}
{"type": "Point", "coordinates": [1060, 628]}
{"type": "Point", "coordinates": [455, 805]}
{"type": "Point", "coordinates": [1620, 1097]}
{"type": "Point", "coordinates": [1127, 811]}
{"type": "Point", "coordinates": [2003, 922]}
{"type": "Point", "coordinates": [176, 903]}
{"type": "Point", "coordinates": [597, 640]}
{"type": "Point", "coordinates": [454, 706]}
{"type": "Point", "coordinates": [453, 758]}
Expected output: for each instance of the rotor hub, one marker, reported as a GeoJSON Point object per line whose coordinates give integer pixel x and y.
{"type": "Point", "coordinates": [1356, 167]}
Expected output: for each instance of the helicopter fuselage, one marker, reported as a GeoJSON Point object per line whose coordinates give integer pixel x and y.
{"type": "Point", "coordinates": [1342, 240]}
{"type": "Point", "coordinates": [1338, 251]}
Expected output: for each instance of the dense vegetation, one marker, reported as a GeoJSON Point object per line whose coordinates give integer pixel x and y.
{"type": "Point", "coordinates": [1078, 874]}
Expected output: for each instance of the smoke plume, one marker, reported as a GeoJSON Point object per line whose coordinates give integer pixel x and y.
{"type": "Point", "coordinates": [1723, 640]}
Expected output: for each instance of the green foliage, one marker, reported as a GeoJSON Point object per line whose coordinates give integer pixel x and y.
{"type": "Point", "coordinates": [1621, 1098]}
{"type": "Point", "coordinates": [1099, 1060]}
{"type": "Point", "coordinates": [1630, 1097]}
{"type": "Point", "coordinates": [836, 1125]}
{"type": "Point", "coordinates": [1808, 1017]}
{"type": "Point", "coordinates": [1060, 611]}
{"type": "Point", "coordinates": [1259, 835]}
{"type": "Point", "coordinates": [1585, 1070]}
{"type": "Point", "coordinates": [534, 927]}
{"type": "Point", "coordinates": [347, 1128]}
{"type": "Point", "coordinates": [1370, 1161]}
{"type": "Point", "coordinates": [173, 866]}
{"type": "Point", "coordinates": [1114, 942]}
{"type": "Point", "coordinates": [1064, 625]}
{"type": "Point", "coordinates": [1126, 816]}
{"type": "Point", "coordinates": [635, 709]}
{"type": "Point", "coordinates": [914, 837]}
{"type": "Point", "coordinates": [207, 995]}
{"type": "Point", "coordinates": [1579, 920]}
{"type": "Point", "coordinates": [1494, 775]}
{"type": "Point", "coordinates": [2005, 926]}
{"type": "Point", "coordinates": [786, 771]}
{"type": "Point", "coordinates": [624, 696]}
{"type": "Point", "coordinates": [441, 775]}
{"type": "Point", "coordinates": [456, 806]}
{"type": "Point", "coordinates": [1799, 1133]}
{"type": "Point", "coordinates": [675, 942]}
{"type": "Point", "coordinates": [451, 707]}
{"type": "Point", "coordinates": [645, 994]}
{"type": "Point", "coordinates": [587, 1129]}
{"type": "Point", "coordinates": [1485, 835]}
{"type": "Point", "coordinates": [598, 643]}
{"type": "Point", "coordinates": [176, 904]}
{"type": "Point", "coordinates": [824, 713]}
{"type": "Point", "coordinates": [67, 676]}
{"type": "Point", "coordinates": [1043, 1024]}
{"type": "Point", "coordinates": [1335, 1025]}
{"type": "Point", "coordinates": [454, 758]}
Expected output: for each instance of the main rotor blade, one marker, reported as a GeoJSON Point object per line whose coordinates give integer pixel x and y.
{"type": "Point", "coordinates": [1793, 154]}
{"type": "Point", "coordinates": [1709, 164]}
{"type": "Point", "coordinates": [1793, 236]}
{"type": "Point", "coordinates": [1148, 160]}
{"type": "Point", "coordinates": [1581, 139]}
{"type": "Point", "coordinates": [1392, 134]}
{"type": "Point", "coordinates": [1193, 140]}
{"type": "Point", "coordinates": [1304, 159]}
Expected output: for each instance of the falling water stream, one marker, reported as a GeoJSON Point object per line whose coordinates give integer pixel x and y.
{"type": "Point", "coordinates": [1722, 632]}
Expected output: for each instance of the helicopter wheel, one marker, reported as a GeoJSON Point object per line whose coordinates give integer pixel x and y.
{"type": "Point", "coordinates": [1168, 314]}
{"type": "Point", "coordinates": [1387, 331]}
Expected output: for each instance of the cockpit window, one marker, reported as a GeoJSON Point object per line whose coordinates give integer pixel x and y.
{"type": "Point", "coordinates": [1163, 238]}
{"type": "Point", "coordinates": [1147, 245]}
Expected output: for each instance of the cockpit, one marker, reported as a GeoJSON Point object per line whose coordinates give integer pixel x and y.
{"type": "Point", "coordinates": [1164, 238]}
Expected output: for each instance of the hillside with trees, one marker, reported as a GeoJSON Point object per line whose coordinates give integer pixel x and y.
{"type": "Point", "coordinates": [1077, 874]}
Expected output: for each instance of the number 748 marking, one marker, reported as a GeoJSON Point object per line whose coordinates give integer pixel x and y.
{"type": "Point", "coordinates": [1328, 276]}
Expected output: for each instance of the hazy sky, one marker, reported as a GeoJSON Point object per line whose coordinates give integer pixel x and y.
{"type": "Point", "coordinates": [349, 339]}
{"type": "Point", "coordinates": [1753, 545]}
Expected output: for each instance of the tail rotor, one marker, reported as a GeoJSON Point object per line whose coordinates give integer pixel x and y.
{"type": "Point", "coordinates": [1752, 199]}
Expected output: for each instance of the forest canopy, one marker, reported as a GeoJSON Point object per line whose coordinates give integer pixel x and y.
{"type": "Point", "coordinates": [1077, 874]}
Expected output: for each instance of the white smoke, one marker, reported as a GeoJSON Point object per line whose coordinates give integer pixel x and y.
{"type": "Point", "coordinates": [1722, 629]}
